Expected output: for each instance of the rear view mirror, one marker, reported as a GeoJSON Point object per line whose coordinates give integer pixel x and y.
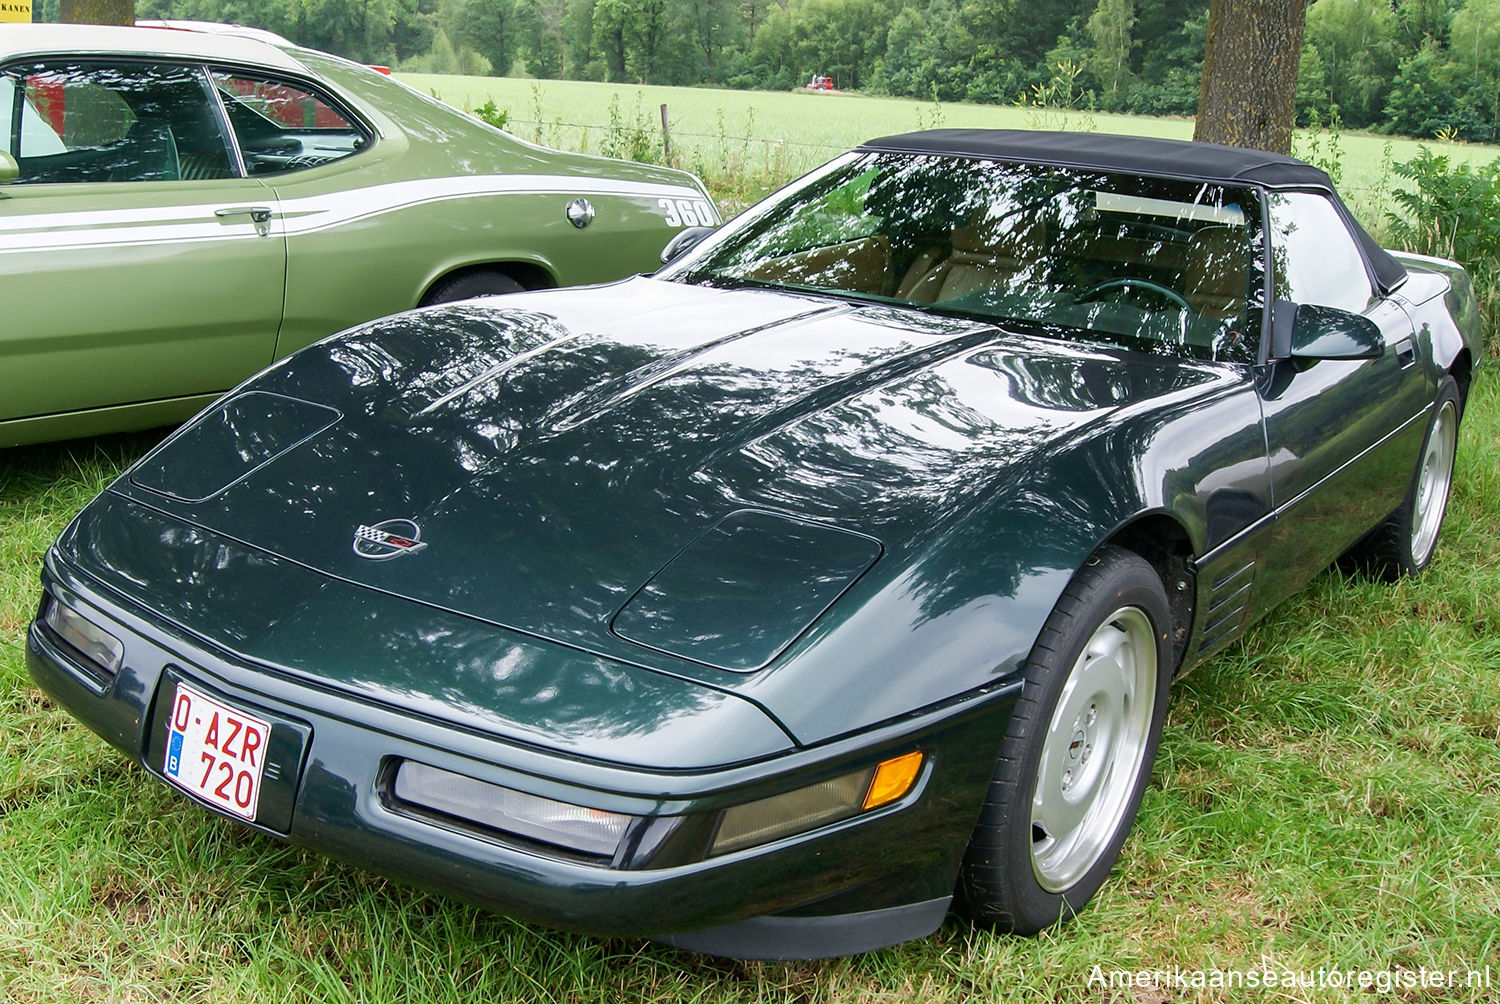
{"type": "Point", "coordinates": [1331, 333]}
{"type": "Point", "coordinates": [686, 240]}
{"type": "Point", "coordinates": [9, 169]}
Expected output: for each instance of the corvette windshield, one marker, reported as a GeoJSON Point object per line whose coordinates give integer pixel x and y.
{"type": "Point", "coordinates": [1158, 265]}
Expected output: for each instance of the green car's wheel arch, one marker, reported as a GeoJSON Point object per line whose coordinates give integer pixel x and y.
{"type": "Point", "coordinates": [470, 283]}
{"type": "Point", "coordinates": [1405, 543]}
{"type": "Point", "coordinates": [1078, 751]}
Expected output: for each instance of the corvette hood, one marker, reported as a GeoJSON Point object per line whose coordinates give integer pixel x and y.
{"type": "Point", "coordinates": [626, 468]}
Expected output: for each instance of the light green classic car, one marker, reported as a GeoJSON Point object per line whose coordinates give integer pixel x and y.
{"type": "Point", "coordinates": [180, 209]}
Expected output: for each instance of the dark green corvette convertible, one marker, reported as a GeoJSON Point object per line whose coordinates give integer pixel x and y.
{"type": "Point", "coordinates": [768, 606]}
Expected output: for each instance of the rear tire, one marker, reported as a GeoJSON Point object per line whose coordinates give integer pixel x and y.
{"type": "Point", "coordinates": [1078, 751]}
{"type": "Point", "coordinates": [467, 285]}
{"type": "Point", "coordinates": [1405, 543]}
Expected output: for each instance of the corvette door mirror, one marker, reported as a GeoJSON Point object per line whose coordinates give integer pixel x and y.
{"type": "Point", "coordinates": [685, 241]}
{"type": "Point", "coordinates": [9, 169]}
{"type": "Point", "coordinates": [1331, 333]}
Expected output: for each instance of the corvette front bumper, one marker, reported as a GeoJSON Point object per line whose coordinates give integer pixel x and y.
{"type": "Point", "coordinates": [854, 885]}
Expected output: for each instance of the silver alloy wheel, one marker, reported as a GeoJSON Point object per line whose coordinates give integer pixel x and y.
{"type": "Point", "coordinates": [1093, 750]}
{"type": "Point", "coordinates": [1434, 478]}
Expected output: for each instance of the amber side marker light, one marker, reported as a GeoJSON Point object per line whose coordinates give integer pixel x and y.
{"type": "Point", "coordinates": [807, 808]}
{"type": "Point", "coordinates": [893, 778]}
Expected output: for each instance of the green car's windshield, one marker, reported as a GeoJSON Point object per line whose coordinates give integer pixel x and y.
{"type": "Point", "coordinates": [1159, 265]}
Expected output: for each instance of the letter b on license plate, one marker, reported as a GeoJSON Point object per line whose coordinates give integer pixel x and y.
{"type": "Point", "coordinates": [216, 752]}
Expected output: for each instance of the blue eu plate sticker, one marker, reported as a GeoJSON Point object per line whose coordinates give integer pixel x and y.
{"type": "Point", "coordinates": [174, 754]}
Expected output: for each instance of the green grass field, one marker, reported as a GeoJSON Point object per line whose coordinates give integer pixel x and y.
{"type": "Point", "coordinates": [1327, 797]}
{"type": "Point", "coordinates": [775, 136]}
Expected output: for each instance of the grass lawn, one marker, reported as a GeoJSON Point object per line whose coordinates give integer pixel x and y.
{"type": "Point", "coordinates": [772, 137]}
{"type": "Point", "coordinates": [1327, 796]}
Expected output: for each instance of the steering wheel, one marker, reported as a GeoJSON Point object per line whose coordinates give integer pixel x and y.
{"type": "Point", "coordinates": [1132, 282]}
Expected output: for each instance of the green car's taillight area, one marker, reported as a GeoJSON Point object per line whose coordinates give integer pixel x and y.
{"type": "Point", "coordinates": [637, 841]}
{"type": "Point", "coordinates": [94, 649]}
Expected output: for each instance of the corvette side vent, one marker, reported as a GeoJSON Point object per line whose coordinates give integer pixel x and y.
{"type": "Point", "coordinates": [1228, 606]}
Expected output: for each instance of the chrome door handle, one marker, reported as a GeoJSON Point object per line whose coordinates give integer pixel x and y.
{"type": "Point", "coordinates": [257, 214]}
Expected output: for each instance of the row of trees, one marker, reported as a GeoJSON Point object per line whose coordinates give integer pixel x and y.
{"type": "Point", "coordinates": [1418, 67]}
{"type": "Point", "coordinates": [1142, 55]}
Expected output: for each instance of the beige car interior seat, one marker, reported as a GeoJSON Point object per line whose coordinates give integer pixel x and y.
{"type": "Point", "coordinates": [985, 256]}
{"type": "Point", "coordinates": [1216, 272]}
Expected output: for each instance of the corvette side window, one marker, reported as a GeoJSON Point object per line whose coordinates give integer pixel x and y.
{"type": "Point", "coordinates": [282, 126]}
{"type": "Point", "coordinates": [88, 121]}
{"type": "Point", "coordinates": [1315, 259]}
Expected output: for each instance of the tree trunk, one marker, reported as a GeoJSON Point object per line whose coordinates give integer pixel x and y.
{"type": "Point", "coordinates": [1249, 91]}
{"type": "Point", "coordinates": [97, 12]}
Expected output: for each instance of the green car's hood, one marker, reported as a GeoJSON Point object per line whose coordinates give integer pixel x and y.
{"type": "Point", "coordinates": [763, 452]}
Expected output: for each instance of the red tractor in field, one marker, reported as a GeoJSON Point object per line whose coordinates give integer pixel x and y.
{"type": "Point", "coordinates": [820, 83]}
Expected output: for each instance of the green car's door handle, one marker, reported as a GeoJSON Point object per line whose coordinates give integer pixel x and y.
{"type": "Point", "coordinates": [259, 215]}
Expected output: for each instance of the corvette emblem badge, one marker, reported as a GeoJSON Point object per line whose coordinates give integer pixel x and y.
{"type": "Point", "coordinates": [388, 539]}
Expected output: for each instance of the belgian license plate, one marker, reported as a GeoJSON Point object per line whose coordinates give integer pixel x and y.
{"type": "Point", "coordinates": [216, 752]}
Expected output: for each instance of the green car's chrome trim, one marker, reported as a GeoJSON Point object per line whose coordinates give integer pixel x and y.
{"type": "Point", "coordinates": [97, 421]}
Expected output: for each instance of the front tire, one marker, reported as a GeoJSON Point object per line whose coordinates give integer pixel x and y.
{"type": "Point", "coordinates": [1078, 751]}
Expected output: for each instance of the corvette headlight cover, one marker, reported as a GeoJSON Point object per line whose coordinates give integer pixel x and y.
{"type": "Point", "coordinates": [98, 646]}
{"type": "Point", "coordinates": [546, 820]}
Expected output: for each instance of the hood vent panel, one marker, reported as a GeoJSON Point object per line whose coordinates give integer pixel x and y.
{"type": "Point", "coordinates": [744, 590]}
{"type": "Point", "coordinates": [230, 442]}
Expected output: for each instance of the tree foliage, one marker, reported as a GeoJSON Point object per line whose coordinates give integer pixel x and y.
{"type": "Point", "coordinates": [97, 11]}
{"type": "Point", "coordinates": [1109, 29]}
{"type": "Point", "coordinates": [1356, 53]}
{"type": "Point", "coordinates": [1422, 67]}
{"type": "Point", "coordinates": [490, 28]}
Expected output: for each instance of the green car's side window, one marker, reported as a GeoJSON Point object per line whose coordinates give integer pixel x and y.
{"type": "Point", "coordinates": [86, 121]}
{"type": "Point", "coordinates": [19, 118]}
{"type": "Point", "coordinates": [283, 126]}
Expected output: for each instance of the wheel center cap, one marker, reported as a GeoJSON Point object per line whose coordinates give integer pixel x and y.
{"type": "Point", "coordinates": [1075, 748]}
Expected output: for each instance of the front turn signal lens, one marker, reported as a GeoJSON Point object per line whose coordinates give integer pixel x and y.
{"type": "Point", "coordinates": [804, 809]}
{"type": "Point", "coordinates": [893, 779]}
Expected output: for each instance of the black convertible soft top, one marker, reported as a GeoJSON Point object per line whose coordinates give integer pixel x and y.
{"type": "Point", "coordinates": [1170, 158]}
